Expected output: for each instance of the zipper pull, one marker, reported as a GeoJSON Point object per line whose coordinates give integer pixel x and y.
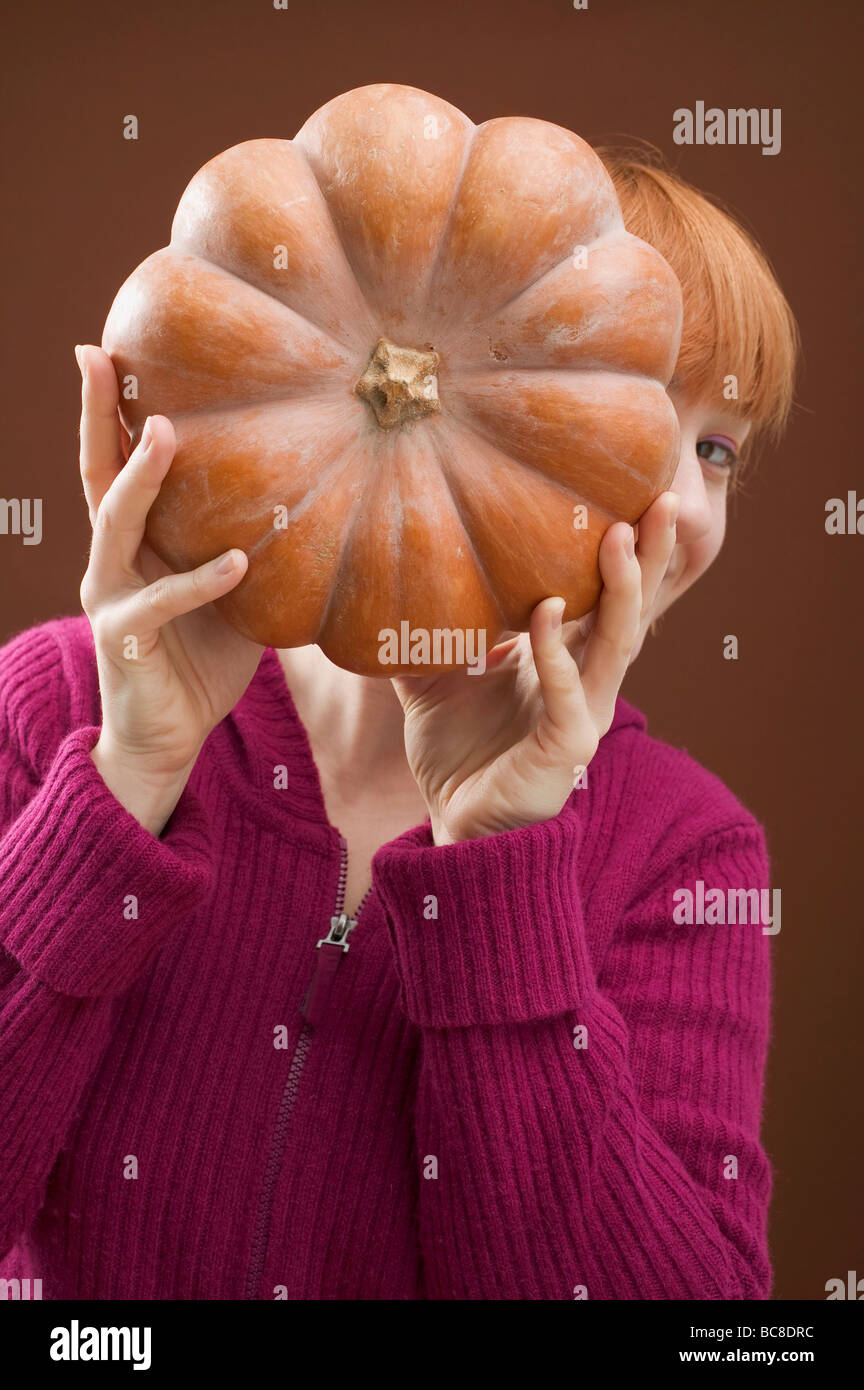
{"type": "Point", "coordinates": [331, 949]}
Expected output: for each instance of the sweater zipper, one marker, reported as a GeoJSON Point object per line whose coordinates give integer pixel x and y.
{"type": "Point", "coordinates": [329, 952]}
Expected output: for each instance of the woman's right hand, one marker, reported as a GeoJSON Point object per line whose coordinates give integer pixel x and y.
{"type": "Point", "coordinates": [170, 667]}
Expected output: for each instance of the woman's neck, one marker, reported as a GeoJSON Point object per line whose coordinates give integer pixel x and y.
{"type": "Point", "coordinates": [354, 723]}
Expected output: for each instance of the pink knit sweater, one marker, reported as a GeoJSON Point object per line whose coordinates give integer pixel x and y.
{"type": "Point", "coordinates": [521, 1081]}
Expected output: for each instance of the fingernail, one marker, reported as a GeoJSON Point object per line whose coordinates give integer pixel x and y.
{"type": "Point", "coordinates": [555, 619]}
{"type": "Point", "coordinates": [227, 563]}
{"type": "Point", "coordinates": [630, 545]}
{"type": "Point", "coordinates": [146, 437]}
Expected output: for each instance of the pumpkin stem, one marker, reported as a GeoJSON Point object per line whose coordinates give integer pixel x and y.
{"type": "Point", "coordinates": [400, 383]}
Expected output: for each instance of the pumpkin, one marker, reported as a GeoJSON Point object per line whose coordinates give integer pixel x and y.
{"type": "Point", "coordinates": [416, 367]}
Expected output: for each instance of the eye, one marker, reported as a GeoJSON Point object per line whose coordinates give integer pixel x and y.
{"type": "Point", "coordinates": [718, 450]}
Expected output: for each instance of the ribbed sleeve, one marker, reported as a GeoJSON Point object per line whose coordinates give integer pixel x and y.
{"type": "Point", "coordinates": [585, 1149]}
{"type": "Point", "coordinates": [87, 896]}
{"type": "Point", "coordinates": [451, 914]}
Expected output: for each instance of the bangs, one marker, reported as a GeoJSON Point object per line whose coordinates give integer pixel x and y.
{"type": "Point", "coordinates": [736, 318]}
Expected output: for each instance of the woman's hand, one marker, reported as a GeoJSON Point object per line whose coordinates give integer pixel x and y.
{"type": "Point", "coordinates": [496, 751]}
{"type": "Point", "coordinates": [170, 668]}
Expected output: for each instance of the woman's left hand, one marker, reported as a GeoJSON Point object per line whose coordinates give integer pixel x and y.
{"type": "Point", "coordinates": [497, 750]}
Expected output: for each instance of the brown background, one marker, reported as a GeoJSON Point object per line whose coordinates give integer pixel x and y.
{"type": "Point", "coordinates": [782, 725]}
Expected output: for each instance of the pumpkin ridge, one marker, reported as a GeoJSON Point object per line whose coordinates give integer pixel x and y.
{"type": "Point", "coordinates": [370, 308]}
{"type": "Point", "coordinates": [332, 468]}
{"type": "Point", "coordinates": [436, 446]}
{"type": "Point", "coordinates": [465, 373]}
{"type": "Point", "coordinates": [347, 535]}
{"type": "Point", "coordinates": [323, 397]}
{"type": "Point", "coordinates": [609, 234]}
{"type": "Point", "coordinates": [469, 421]}
{"type": "Point", "coordinates": [513, 617]}
{"type": "Point", "coordinates": [224, 270]}
{"type": "Point", "coordinates": [472, 427]}
{"type": "Point", "coordinates": [611, 225]}
{"type": "Point", "coordinates": [532, 467]}
{"type": "Point", "coordinates": [434, 270]}
{"type": "Point", "coordinates": [545, 307]}
{"type": "Point", "coordinates": [470, 129]}
{"type": "Point", "coordinates": [333, 453]}
{"type": "Point", "coordinates": [338, 466]}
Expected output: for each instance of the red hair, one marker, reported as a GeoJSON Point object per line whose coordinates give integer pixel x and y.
{"type": "Point", "coordinates": [736, 318]}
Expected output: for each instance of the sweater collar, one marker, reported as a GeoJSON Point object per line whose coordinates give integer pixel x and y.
{"type": "Point", "coordinates": [269, 682]}
{"type": "Point", "coordinates": [627, 715]}
{"type": "Point", "coordinates": [263, 735]}
{"type": "Point", "coordinates": [265, 732]}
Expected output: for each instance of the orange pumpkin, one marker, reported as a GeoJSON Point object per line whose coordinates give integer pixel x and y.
{"type": "Point", "coordinates": [416, 368]}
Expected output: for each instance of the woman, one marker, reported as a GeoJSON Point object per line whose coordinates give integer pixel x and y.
{"type": "Point", "coordinates": [322, 987]}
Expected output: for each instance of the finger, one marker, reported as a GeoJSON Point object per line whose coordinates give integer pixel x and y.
{"type": "Point", "coordinates": [101, 439]}
{"type": "Point", "coordinates": [619, 612]}
{"type": "Point", "coordinates": [577, 632]}
{"type": "Point", "coordinates": [501, 651]}
{"type": "Point", "coordinates": [122, 516]}
{"type": "Point", "coordinates": [657, 535]}
{"type": "Point", "coordinates": [564, 708]}
{"type": "Point", "coordinates": [145, 612]}
{"type": "Point", "coordinates": [655, 541]}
